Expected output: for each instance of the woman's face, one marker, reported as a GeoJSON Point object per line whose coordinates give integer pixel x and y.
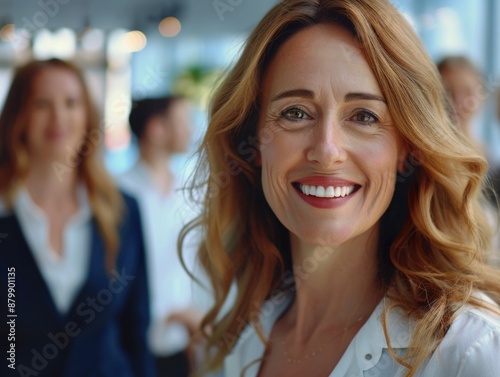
{"type": "Point", "coordinates": [56, 115]}
{"type": "Point", "coordinates": [328, 147]}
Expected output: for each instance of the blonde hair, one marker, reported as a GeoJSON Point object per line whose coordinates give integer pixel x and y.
{"type": "Point", "coordinates": [429, 267]}
{"type": "Point", "coordinates": [105, 200]}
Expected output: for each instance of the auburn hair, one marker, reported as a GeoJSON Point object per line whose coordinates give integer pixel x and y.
{"type": "Point", "coordinates": [431, 259]}
{"type": "Point", "coordinates": [104, 198]}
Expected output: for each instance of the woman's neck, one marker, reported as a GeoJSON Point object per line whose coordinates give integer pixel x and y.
{"type": "Point", "coordinates": [48, 188]}
{"type": "Point", "coordinates": [334, 285]}
{"type": "Point", "coordinates": [56, 196]}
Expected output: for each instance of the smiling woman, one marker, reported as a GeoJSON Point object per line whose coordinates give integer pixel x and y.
{"type": "Point", "coordinates": [354, 237]}
{"type": "Point", "coordinates": [47, 136]}
{"type": "Point", "coordinates": [327, 139]}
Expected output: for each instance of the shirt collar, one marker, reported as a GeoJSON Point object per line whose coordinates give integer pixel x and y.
{"type": "Point", "coordinates": [368, 343]}
{"type": "Point", "coordinates": [249, 349]}
{"type": "Point", "coordinates": [26, 207]}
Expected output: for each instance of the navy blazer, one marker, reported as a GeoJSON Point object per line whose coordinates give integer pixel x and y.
{"type": "Point", "coordinates": [104, 332]}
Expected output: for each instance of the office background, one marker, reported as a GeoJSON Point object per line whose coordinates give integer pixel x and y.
{"type": "Point", "coordinates": [131, 49]}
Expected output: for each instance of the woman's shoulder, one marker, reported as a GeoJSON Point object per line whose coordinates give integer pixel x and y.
{"type": "Point", "coordinates": [472, 344]}
{"type": "Point", "coordinates": [131, 205]}
{"type": "Point", "coordinates": [130, 223]}
{"type": "Point", "coordinates": [5, 209]}
{"type": "Point", "coordinates": [129, 200]}
{"type": "Point", "coordinates": [475, 321]}
{"type": "Point", "coordinates": [474, 324]}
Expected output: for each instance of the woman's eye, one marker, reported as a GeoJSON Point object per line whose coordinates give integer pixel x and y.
{"type": "Point", "coordinates": [364, 117]}
{"type": "Point", "coordinates": [294, 114]}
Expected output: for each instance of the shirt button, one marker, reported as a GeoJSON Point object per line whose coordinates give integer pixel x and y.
{"type": "Point", "coordinates": [368, 356]}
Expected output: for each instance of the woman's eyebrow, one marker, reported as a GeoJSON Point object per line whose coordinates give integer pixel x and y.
{"type": "Point", "coordinates": [310, 94]}
{"type": "Point", "coordinates": [294, 93]}
{"type": "Point", "coordinates": [365, 96]}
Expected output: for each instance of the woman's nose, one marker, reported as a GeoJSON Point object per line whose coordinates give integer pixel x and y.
{"type": "Point", "coordinates": [327, 145]}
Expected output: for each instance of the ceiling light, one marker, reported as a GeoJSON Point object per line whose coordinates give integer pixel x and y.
{"type": "Point", "coordinates": [133, 41]}
{"type": "Point", "coordinates": [169, 27]}
{"type": "Point", "coordinates": [7, 33]}
{"type": "Point", "coordinates": [60, 44]}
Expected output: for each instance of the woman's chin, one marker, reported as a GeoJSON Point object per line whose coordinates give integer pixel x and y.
{"type": "Point", "coordinates": [56, 155]}
{"type": "Point", "coordinates": [326, 237]}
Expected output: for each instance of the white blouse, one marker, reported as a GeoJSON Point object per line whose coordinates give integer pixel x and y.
{"type": "Point", "coordinates": [470, 348]}
{"type": "Point", "coordinates": [64, 275]}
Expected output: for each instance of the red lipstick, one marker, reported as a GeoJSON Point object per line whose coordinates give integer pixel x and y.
{"type": "Point", "coordinates": [325, 182]}
{"type": "Point", "coordinates": [319, 180]}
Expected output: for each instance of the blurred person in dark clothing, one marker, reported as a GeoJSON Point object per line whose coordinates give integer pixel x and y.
{"type": "Point", "coordinates": [73, 240]}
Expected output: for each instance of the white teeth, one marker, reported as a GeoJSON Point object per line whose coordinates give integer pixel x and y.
{"type": "Point", "coordinates": [320, 192]}
{"type": "Point", "coordinates": [328, 192]}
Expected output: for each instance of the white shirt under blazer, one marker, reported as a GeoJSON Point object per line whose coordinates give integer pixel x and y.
{"type": "Point", "coordinates": [471, 347]}
{"type": "Point", "coordinates": [64, 274]}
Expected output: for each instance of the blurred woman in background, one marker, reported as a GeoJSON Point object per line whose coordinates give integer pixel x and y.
{"type": "Point", "coordinates": [74, 241]}
{"type": "Point", "coordinates": [465, 87]}
{"type": "Point", "coordinates": [466, 91]}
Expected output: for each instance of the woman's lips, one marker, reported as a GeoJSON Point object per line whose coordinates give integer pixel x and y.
{"type": "Point", "coordinates": [325, 192]}
{"type": "Point", "coordinates": [318, 180]}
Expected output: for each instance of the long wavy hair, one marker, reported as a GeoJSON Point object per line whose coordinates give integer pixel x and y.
{"type": "Point", "coordinates": [429, 266]}
{"type": "Point", "coordinates": [104, 198]}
